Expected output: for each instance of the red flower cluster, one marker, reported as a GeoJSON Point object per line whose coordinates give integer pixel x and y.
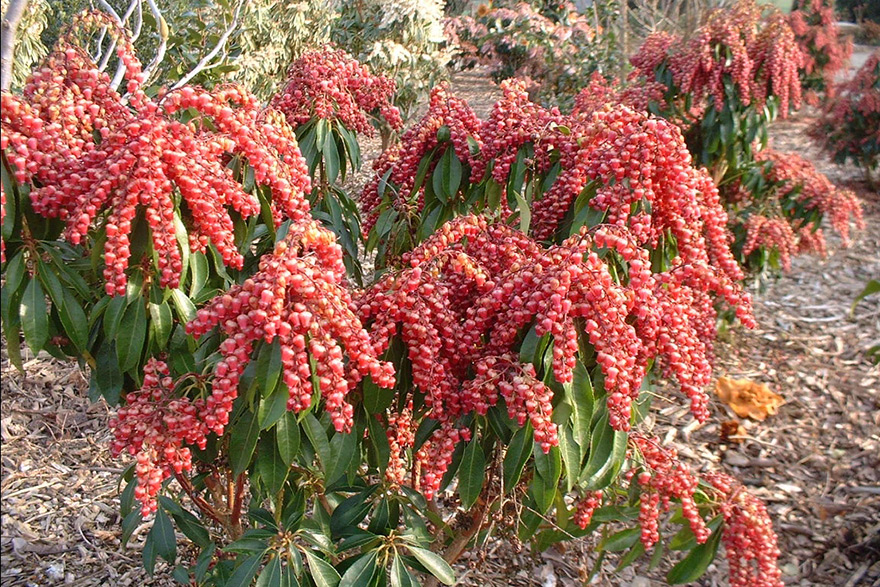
{"type": "Point", "coordinates": [601, 93]}
{"type": "Point", "coordinates": [585, 508]}
{"type": "Point", "coordinates": [446, 112]}
{"type": "Point", "coordinates": [793, 172]}
{"type": "Point", "coordinates": [155, 425]}
{"type": "Point", "coordinates": [814, 26]}
{"type": "Point", "coordinates": [94, 154]}
{"type": "Point", "coordinates": [332, 85]}
{"type": "Point", "coordinates": [771, 233]}
{"type": "Point", "coordinates": [297, 297]}
{"type": "Point", "coordinates": [665, 478]}
{"type": "Point", "coordinates": [467, 293]}
{"type": "Point", "coordinates": [760, 56]}
{"type": "Point", "coordinates": [849, 128]}
{"type": "Point", "coordinates": [748, 535]}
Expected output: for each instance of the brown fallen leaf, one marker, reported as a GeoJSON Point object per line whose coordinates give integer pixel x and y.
{"type": "Point", "coordinates": [732, 431]}
{"type": "Point", "coordinates": [747, 398]}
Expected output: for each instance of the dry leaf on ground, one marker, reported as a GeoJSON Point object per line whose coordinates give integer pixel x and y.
{"type": "Point", "coordinates": [748, 399]}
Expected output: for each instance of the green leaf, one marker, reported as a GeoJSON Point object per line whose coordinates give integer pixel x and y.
{"type": "Point", "coordinates": [361, 572]}
{"type": "Point", "coordinates": [198, 264]}
{"type": "Point", "coordinates": [203, 562]}
{"type": "Point", "coordinates": [630, 557]}
{"type": "Point", "coordinates": [273, 407]}
{"type": "Point", "coordinates": [471, 473]}
{"type": "Point", "coordinates": [113, 316]}
{"type": "Point", "coordinates": [350, 512]}
{"type": "Point", "coordinates": [871, 288]}
{"type": "Point", "coordinates": [620, 540]}
{"type": "Point", "coordinates": [269, 367]}
{"type": "Point", "coordinates": [185, 308]}
{"type": "Point", "coordinates": [162, 535]}
{"type": "Point", "coordinates": [131, 336]}
{"type": "Point", "coordinates": [245, 572]}
{"type": "Point", "coordinates": [518, 452]}
{"type": "Point", "coordinates": [161, 322]}
{"type": "Point", "coordinates": [270, 576]}
{"type": "Point", "coordinates": [190, 525]}
{"type": "Point", "coordinates": [400, 575]}
{"type": "Point", "coordinates": [607, 452]}
{"type": "Point", "coordinates": [288, 437]}
{"type": "Point", "coordinates": [243, 441]}
{"type": "Point", "coordinates": [581, 397]}
{"type": "Point", "coordinates": [129, 524]}
{"type": "Point", "coordinates": [322, 572]}
{"type": "Point", "coordinates": [435, 564]}
{"type": "Point", "coordinates": [571, 455]}
{"type": "Point", "coordinates": [379, 446]}
{"type": "Point", "coordinates": [331, 158]}
{"type": "Point", "coordinates": [376, 399]}
{"type": "Point", "coordinates": [270, 466]}
{"type": "Point", "coordinates": [74, 320]}
{"type": "Point", "coordinates": [288, 577]}
{"type": "Point", "coordinates": [34, 316]}
{"type": "Point", "coordinates": [107, 375]}
{"type": "Point", "coordinates": [343, 450]}
{"type": "Point", "coordinates": [692, 567]}
{"type": "Point", "coordinates": [318, 437]}
{"type": "Point", "coordinates": [447, 176]}
{"type": "Point", "coordinates": [525, 212]}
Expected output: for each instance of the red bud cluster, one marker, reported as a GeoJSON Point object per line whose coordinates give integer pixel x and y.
{"type": "Point", "coordinates": [665, 478]}
{"type": "Point", "coordinates": [748, 535]}
{"type": "Point", "coordinates": [771, 233]}
{"type": "Point", "coordinates": [297, 297]}
{"type": "Point", "coordinates": [97, 158]}
{"type": "Point", "coordinates": [817, 192]}
{"type": "Point", "coordinates": [332, 85]}
{"type": "Point", "coordinates": [444, 110]}
{"type": "Point", "coordinates": [825, 54]}
{"type": "Point", "coordinates": [468, 292]}
{"type": "Point", "coordinates": [759, 55]}
{"type": "Point", "coordinates": [154, 425]}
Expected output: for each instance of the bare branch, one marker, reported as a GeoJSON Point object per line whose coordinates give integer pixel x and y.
{"type": "Point", "coordinates": [163, 41]}
{"type": "Point", "coordinates": [221, 44]}
{"type": "Point", "coordinates": [13, 15]}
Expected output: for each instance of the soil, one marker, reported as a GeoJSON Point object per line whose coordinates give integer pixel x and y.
{"type": "Point", "coordinates": [816, 463]}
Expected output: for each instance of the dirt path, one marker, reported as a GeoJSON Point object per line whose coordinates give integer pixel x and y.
{"type": "Point", "coordinates": [816, 462]}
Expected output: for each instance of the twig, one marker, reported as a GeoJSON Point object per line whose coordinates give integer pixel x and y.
{"type": "Point", "coordinates": [221, 44]}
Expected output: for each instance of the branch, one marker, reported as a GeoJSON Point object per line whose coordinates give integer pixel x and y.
{"type": "Point", "coordinates": [13, 15]}
{"type": "Point", "coordinates": [221, 44]}
{"type": "Point", "coordinates": [163, 41]}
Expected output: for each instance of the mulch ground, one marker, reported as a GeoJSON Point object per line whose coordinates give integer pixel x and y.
{"type": "Point", "coordinates": [816, 463]}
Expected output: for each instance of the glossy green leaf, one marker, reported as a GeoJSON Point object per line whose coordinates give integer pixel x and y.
{"type": "Point", "coordinates": [400, 575]}
{"type": "Point", "coordinates": [34, 316]}
{"type": "Point", "coordinates": [620, 541]}
{"type": "Point", "coordinates": [322, 572]}
{"type": "Point", "coordinates": [318, 437]}
{"type": "Point", "coordinates": [376, 399]}
{"type": "Point", "coordinates": [287, 434]}
{"type": "Point", "coordinates": [274, 407]}
{"type": "Point", "coordinates": [74, 320]}
{"type": "Point", "coordinates": [471, 473]}
{"type": "Point", "coordinates": [243, 441]}
{"type": "Point", "coordinates": [269, 367]}
{"type": "Point", "coordinates": [185, 307]}
{"type": "Point", "coordinates": [571, 456]}
{"type": "Point", "coordinates": [581, 397]}
{"type": "Point", "coordinates": [113, 315]}
{"type": "Point", "coordinates": [131, 336]}
{"type": "Point", "coordinates": [447, 176]}
{"type": "Point", "coordinates": [435, 564]}
{"type": "Point", "coordinates": [518, 452]}
{"type": "Point", "coordinates": [270, 576]}
{"type": "Point", "coordinates": [331, 158]}
{"type": "Point", "coordinates": [245, 572]}
{"type": "Point", "coordinates": [692, 567]}
{"type": "Point", "coordinates": [161, 323]}
{"type": "Point", "coordinates": [360, 574]}
{"type": "Point", "coordinates": [162, 535]}
{"type": "Point", "coordinates": [607, 452]}
{"type": "Point", "coordinates": [270, 466]}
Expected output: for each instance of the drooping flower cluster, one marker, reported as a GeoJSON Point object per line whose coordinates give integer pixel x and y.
{"type": "Point", "coordinates": [773, 233]}
{"type": "Point", "coordinates": [297, 298]}
{"type": "Point", "coordinates": [601, 92]}
{"type": "Point", "coordinates": [662, 479]}
{"type": "Point", "coordinates": [332, 85]}
{"type": "Point", "coordinates": [155, 425]}
{"type": "Point", "coordinates": [849, 128]}
{"type": "Point", "coordinates": [792, 173]}
{"type": "Point", "coordinates": [825, 53]}
{"type": "Point", "coordinates": [448, 123]}
{"type": "Point", "coordinates": [464, 297]}
{"type": "Point", "coordinates": [585, 508]}
{"type": "Point", "coordinates": [99, 160]}
{"type": "Point", "coordinates": [758, 55]}
{"type": "Point", "coordinates": [747, 535]}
